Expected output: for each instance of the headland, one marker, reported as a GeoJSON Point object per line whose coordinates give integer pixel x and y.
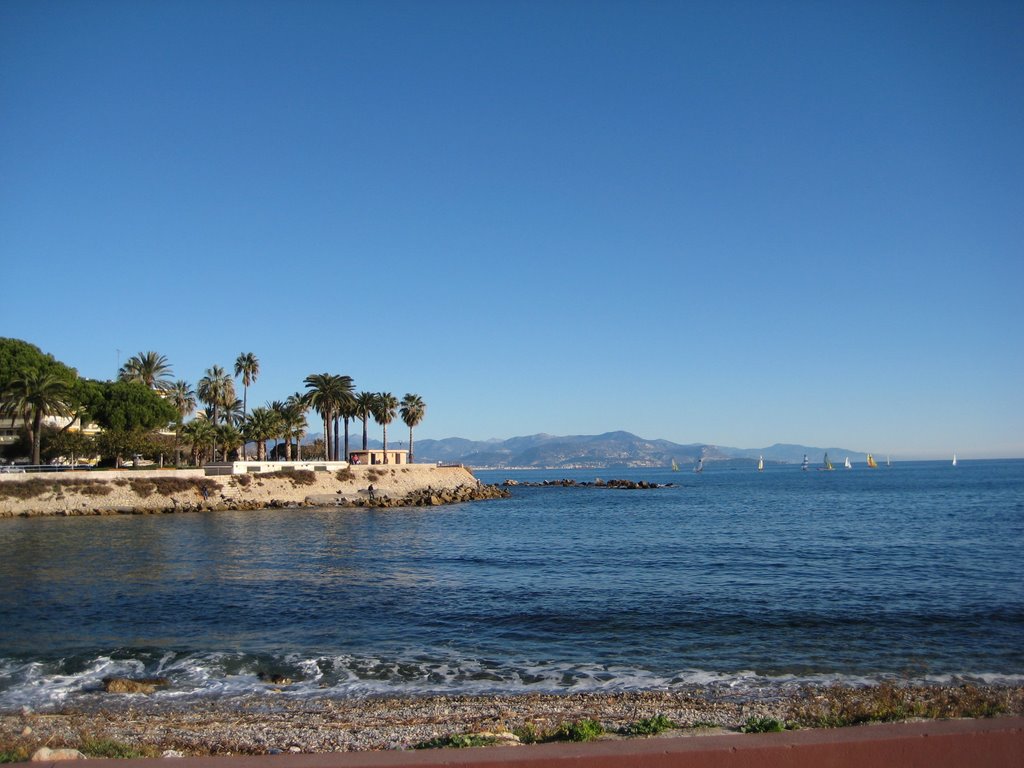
{"type": "Point", "coordinates": [192, 490]}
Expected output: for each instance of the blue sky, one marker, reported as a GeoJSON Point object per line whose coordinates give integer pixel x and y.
{"type": "Point", "coordinates": [729, 222]}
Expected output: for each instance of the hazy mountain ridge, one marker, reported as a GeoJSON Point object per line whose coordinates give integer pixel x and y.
{"type": "Point", "coordinates": [611, 449]}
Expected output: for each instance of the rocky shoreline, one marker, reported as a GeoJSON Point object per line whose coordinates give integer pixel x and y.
{"type": "Point", "coordinates": [275, 723]}
{"type": "Point", "coordinates": [169, 491]}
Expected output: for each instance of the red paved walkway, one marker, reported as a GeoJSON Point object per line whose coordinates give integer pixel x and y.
{"type": "Point", "coordinates": [996, 743]}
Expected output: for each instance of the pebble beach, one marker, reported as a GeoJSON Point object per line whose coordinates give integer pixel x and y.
{"type": "Point", "coordinates": [273, 723]}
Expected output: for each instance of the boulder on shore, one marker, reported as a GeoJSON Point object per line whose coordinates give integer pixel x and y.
{"type": "Point", "coordinates": [134, 685]}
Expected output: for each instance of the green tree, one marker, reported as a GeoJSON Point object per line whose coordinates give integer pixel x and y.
{"type": "Point", "coordinates": [297, 405]}
{"type": "Point", "coordinates": [148, 368]}
{"type": "Point", "coordinates": [413, 409]}
{"type": "Point", "coordinates": [71, 447]}
{"type": "Point", "coordinates": [384, 406]}
{"type": "Point", "coordinates": [248, 367]}
{"type": "Point", "coordinates": [128, 410]}
{"type": "Point", "coordinates": [19, 358]}
{"type": "Point", "coordinates": [34, 396]}
{"type": "Point", "coordinates": [364, 410]}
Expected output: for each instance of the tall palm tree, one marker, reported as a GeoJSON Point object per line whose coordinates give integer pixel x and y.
{"type": "Point", "coordinates": [327, 392]}
{"type": "Point", "coordinates": [384, 407]}
{"type": "Point", "coordinates": [149, 368]}
{"type": "Point", "coordinates": [248, 367]}
{"type": "Point", "coordinates": [262, 425]}
{"type": "Point", "coordinates": [34, 396]}
{"type": "Point", "coordinates": [347, 411]}
{"type": "Point", "coordinates": [364, 410]}
{"type": "Point", "coordinates": [321, 400]}
{"type": "Point", "coordinates": [413, 409]}
{"type": "Point", "coordinates": [183, 398]}
{"type": "Point", "coordinates": [216, 389]}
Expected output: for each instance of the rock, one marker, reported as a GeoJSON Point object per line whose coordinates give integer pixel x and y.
{"type": "Point", "coordinates": [273, 679]}
{"type": "Point", "coordinates": [172, 753]}
{"type": "Point", "coordinates": [130, 685]}
{"type": "Point", "coordinates": [47, 755]}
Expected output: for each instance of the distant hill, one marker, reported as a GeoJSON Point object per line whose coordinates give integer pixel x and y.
{"type": "Point", "coordinates": [611, 449]}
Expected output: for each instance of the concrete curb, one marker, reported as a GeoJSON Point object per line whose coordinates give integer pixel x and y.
{"type": "Point", "coordinates": [995, 743]}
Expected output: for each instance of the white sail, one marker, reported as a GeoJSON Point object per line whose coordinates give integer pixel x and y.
{"type": "Point", "coordinates": [760, 464]}
{"type": "Point", "coordinates": [847, 463]}
{"type": "Point", "coordinates": [954, 459]}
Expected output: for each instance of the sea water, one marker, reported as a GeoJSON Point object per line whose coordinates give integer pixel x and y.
{"type": "Point", "coordinates": [732, 578]}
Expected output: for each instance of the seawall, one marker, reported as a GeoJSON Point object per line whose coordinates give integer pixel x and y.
{"type": "Point", "coordinates": [160, 491]}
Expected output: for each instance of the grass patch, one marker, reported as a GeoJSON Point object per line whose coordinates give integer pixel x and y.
{"type": "Point", "coordinates": [649, 726]}
{"type": "Point", "coordinates": [837, 706]}
{"type": "Point", "coordinates": [109, 748]}
{"type": "Point", "coordinates": [580, 730]}
{"type": "Point", "coordinates": [528, 734]}
{"type": "Point", "coordinates": [762, 725]}
{"type": "Point", "coordinates": [15, 755]}
{"type": "Point", "coordinates": [458, 741]}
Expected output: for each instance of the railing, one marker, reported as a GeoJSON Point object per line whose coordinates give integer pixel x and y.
{"type": "Point", "coordinates": [20, 468]}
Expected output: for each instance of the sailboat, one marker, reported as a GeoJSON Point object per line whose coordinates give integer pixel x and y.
{"type": "Point", "coordinates": [805, 464]}
{"type": "Point", "coordinates": [847, 463]}
{"type": "Point", "coordinates": [871, 462]}
{"type": "Point", "coordinates": [760, 464]}
{"type": "Point", "coordinates": [675, 466]}
{"type": "Point", "coordinates": [887, 462]}
{"type": "Point", "coordinates": [700, 465]}
{"type": "Point", "coordinates": [954, 459]}
{"type": "Point", "coordinates": [827, 464]}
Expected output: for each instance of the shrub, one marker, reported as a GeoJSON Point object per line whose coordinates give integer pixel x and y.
{"type": "Point", "coordinates": [457, 741]}
{"type": "Point", "coordinates": [527, 734]}
{"type": "Point", "coordinates": [649, 726]}
{"type": "Point", "coordinates": [345, 475]}
{"type": "Point", "coordinates": [243, 480]}
{"type": "Point", "coordinates": [580, 730]}
{"type": "Point", "coordinates": [299, 476]}
{"type": "Point", "coordinates": [762, 725]}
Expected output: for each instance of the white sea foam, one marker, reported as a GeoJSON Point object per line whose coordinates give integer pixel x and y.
{"type": "Point", "coordinates": [42, 685]}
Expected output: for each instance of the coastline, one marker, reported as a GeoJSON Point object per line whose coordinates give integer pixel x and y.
{"type": "Point", "coordinates": [190, 490]}
{"type": "Point", "coordinates": [273, 723]}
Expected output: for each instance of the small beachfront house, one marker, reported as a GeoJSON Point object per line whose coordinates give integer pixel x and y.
{"type": "Point", "coordinates": [362, 458]}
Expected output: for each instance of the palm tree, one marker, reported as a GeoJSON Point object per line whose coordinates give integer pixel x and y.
{"type": "Point", "coordinates": [262, 425]}
{"type": "Point", "coordinates": [385, 405]}
{"type": "Point", "coordinates": [413, 409]}
{"type": "Point", "coordinates": [347, 413]}
{"type": "Point", "coordinates": [248, 367]}
{"type": "Point", "coordinates": [327, 393]}
{"type": "Point", "coordinates": [216, 389]}
{"type": "Point", "coordinates": [233, 412]}
{"type": "Point", "coordinates": [149, 368]}
{"type": "Point", "coordinates": [201, 435]}
{"type": "Point", "coordinates": [183, 398]}
{"type": "Point", "coordinates": [293, 414]}
{"type": "Point", "coordinates": [364, 410]}
{"type": "Point", "coordinates": [34, 396]}
{"type": "Point", "coordinates": [229, 439]}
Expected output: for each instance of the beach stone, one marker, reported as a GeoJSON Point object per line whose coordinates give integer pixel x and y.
{"type": "Point", "coordinates": [47, 755]}
{"type": "Point", "coordinates": [172, 753]}
{"type": "Point", "coordinates": [129, 685]}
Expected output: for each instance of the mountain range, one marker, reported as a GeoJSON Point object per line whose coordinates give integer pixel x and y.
{"type": "Point", "coordinates": [611, 449]}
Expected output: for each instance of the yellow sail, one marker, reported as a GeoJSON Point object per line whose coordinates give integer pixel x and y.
{"type": "Point", "coordinates": [871, 462]}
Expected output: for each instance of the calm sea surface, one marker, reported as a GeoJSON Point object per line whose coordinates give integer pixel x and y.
{"type": "Point", "coordinates": [732, 578]}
